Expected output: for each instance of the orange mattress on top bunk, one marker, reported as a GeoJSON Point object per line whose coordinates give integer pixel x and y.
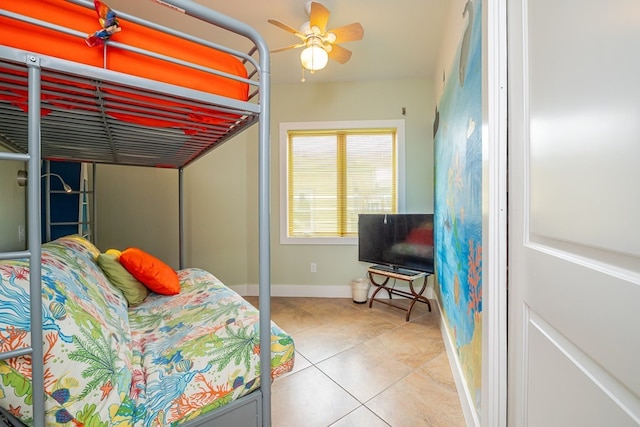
{"type": "Point", "coordinates": [36, 39]}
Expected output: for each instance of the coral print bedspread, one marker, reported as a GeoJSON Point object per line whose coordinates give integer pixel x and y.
{"type": "Point", "coordinates": [159, 363]}
{"type": "Point", "coordinates": [198, 350]}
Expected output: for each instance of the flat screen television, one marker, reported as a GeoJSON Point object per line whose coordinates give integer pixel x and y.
{"type": "Point", "coordinates": [396, 241]}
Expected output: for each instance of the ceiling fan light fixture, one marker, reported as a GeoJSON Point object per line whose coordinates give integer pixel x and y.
{"type": "Point", "coordinates": [314, 57]}
{"type": "Point", "coordinates": [319, 44]}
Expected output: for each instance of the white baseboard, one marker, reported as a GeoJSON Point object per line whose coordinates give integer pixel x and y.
{"type": "Point", "coordinates": [468, 408]}
{"type": "Point", "coordinates": [308, 291]}
{"type": "Point", "coordinates": [319, 291]}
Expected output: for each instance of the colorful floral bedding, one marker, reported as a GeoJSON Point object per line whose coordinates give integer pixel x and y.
{"type": "Point", "coordinates": [163, 362]}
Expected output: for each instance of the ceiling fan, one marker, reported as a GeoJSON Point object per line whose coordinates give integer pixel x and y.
{"type": "Point", "coordinates": [319, 43]}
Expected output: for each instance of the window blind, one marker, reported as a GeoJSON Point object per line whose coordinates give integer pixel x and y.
{"type": "Point", "coordinates": [332, 176]}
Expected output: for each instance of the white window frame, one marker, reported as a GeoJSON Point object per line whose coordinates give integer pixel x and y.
{"type": "Point", "coordinates": [285, 127]}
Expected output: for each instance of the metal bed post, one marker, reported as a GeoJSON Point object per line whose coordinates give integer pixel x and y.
{"type": "Point", "coordinates": [94, 206]}
{"type": "Point", "coordinates": [181, 217]}
{"type": "Point", "coordinates": [47, 199]}
{"type": "Point", "coordinates": [264, 283]}
{"type": "Point", "coordinates": [34, 242]}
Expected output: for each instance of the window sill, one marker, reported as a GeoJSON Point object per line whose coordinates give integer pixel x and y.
{"type": "Point", "coordinates": [318, 240]}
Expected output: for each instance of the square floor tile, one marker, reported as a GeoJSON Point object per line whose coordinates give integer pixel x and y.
{"type": "Point", "coordinates": [309, 398]}
{"type": "Point", "coordinates": [418, 401]}
{"type": "Point", "coordinates": [413, 344]}
{"type": "Point", "coordinates": [364, 371]}
{"type": "Point", "coordinates": [319, 343]}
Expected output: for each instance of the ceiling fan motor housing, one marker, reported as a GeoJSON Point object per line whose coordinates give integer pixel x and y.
{"type": "Point", "coordinates": [319, 43]}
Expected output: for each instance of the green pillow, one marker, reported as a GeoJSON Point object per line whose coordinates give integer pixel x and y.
{"type": "Point", "coordinates": [134, 291]}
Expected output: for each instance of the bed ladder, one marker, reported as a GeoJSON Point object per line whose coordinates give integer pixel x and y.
{"type": "Point", "coordinates": [33, 249]}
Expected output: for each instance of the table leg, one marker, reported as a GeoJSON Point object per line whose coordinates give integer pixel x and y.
{"type": "Point", "coordinates": [379, 287]}
{"type": "Point", "coordinates": [417, 296]}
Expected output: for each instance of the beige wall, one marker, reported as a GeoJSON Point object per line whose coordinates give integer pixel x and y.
{"type": "Point", "coordinates": [12, 205]}
{"type": "Point", "coordinates": [138, 207]}
{"type": "Point", "coordinates": [337, 264]}
{"type": "Point", "coordinates": [221, 189]}
{"type": "Point", "coordinates": [219, 209]}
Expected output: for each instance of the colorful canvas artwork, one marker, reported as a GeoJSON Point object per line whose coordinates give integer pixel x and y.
{"type": "Point", "coordinates": [458, 200]}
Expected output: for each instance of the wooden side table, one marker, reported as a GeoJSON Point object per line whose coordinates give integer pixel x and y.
{"type": "Point", "coordinates": [386, 273]}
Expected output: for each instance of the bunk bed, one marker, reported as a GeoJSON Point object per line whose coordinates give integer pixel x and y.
{"type": "Point", "coordinates": [125, 96]}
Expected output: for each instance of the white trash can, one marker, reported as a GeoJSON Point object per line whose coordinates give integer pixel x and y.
{"type": "Point", "coordinates": [360, 290]}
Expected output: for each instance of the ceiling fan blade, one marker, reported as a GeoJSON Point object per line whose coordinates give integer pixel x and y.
{"type": "Point", "coordinates": [287, 28]}
{"type": "Point", "coordinates": [340, 54]}
{"type": "Point", "coordinates": [348, 33]}
{"type": "Point", "coordinates": [319, 16]}
{"type": "Point", "coordinates": [293, 46]}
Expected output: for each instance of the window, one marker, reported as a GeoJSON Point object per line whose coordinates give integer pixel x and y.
{"type": "Point", "coordinates": [333, 171]}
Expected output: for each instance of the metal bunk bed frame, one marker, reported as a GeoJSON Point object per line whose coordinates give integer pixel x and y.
{"type": "Point", "coordinates": [31, 153]}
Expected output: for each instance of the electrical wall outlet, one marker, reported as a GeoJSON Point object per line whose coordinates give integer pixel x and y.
{"type": "Point", "coordinates": [314, 267]}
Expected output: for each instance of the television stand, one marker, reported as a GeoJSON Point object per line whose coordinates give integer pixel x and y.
{"type": "Point", "coordinates": [377, 271]}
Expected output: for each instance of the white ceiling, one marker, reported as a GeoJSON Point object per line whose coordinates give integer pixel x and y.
{"type": "Point", "coordinates": [400, 41]}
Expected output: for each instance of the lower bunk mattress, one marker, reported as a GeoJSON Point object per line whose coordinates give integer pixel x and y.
{"type": "Point", "coordinates": [163, 362]}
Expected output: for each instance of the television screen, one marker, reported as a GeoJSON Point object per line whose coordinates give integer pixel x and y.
{"type": "Point", "coordinates": [398, 241]}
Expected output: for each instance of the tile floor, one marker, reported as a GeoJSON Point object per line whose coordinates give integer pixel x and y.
{"type": "Point", "coordinates": [360, 366]}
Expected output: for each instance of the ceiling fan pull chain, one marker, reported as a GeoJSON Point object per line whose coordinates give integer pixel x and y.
{"type": "Point", "coordinates": [303, 79]}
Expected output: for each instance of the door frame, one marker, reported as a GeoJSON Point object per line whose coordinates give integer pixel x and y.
{"type": "Point", "coordinates": [495, 174]}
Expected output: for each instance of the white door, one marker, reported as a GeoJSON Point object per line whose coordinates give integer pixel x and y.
{"type": "Point", "coordinates": [574, 213]}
